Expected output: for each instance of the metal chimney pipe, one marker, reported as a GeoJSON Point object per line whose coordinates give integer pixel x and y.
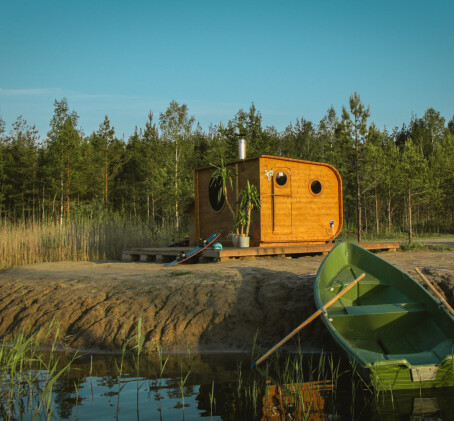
{"type": "Point", "coordinates": [241, 148]}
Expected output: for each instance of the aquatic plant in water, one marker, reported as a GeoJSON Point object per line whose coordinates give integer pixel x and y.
{"type": "Point", "coordinates": [27, 374]}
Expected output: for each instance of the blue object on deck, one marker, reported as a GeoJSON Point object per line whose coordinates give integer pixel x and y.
{"type": "Point", "coordinates": [217, 246]}
{"type": "Point", "coordinates": [203, 244]}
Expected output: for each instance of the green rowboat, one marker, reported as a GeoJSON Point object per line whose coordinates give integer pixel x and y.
{"type": "Point", "coordinates": [394, 331]}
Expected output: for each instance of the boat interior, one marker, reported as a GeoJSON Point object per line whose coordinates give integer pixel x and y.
{"type": "Point", "coordinates": [382, 322]}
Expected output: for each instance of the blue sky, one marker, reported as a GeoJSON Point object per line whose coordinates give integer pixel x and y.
{"type": "Point", "coordinates": [291, 58]}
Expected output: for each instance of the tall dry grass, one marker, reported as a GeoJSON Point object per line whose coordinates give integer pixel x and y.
{"type": "Point", "coordinates": [21, 243]}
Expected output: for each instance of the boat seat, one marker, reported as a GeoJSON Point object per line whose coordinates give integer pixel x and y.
{"type": "Point", "coordinates": [379, 309]}
{"type": "Point", "coordinates": [444, 348]}
{"type": "Point", "coordinates": [416, 358]}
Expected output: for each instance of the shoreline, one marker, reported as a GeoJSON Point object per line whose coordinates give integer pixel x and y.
{"type": "Point", "coordinates": [206, 308]}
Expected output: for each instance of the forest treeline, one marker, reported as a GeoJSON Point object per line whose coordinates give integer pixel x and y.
{"type": "Point", "coordinates": [398, 180]}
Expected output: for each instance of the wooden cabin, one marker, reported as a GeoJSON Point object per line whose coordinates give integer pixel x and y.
{"type": "Point", "coordinates": [301, 202]}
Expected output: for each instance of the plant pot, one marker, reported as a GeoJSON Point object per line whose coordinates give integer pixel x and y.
{"type": "Point", "coordinates": [235, 240]}
{"type": "Point", "coordinates": [243, 242]}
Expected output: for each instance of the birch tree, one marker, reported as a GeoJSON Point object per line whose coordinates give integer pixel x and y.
{"type": "Point", "coordinates": [176, 125]}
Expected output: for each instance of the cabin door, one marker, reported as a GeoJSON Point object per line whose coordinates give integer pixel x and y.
{"type": "Point", "coordinates": [281, 194]}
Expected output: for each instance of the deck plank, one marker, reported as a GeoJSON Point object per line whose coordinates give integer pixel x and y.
{"type": "Point", "coordinates": [232, 253]}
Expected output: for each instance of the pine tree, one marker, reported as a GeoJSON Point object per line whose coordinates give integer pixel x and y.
{"type": "Point", "coordinates": [357, 128]}
{"type": "Point", "coordinates": [144, 172]}
{"type": "Point", "coordinates": [373, 170]}
{"type": "Point", "coordinates": [442, 172]}
{"type": "Point", "coordinates": [301, 141]}
{"type": "Point", "coordinates": [22, 168]}
{"type": "Point", "coordinates": [326, 134]}
{"type": "Point", "coordinates": [415, 181]}
{"type": "Point", "coordinates": [109, 156]}
{"type": "Point", "coordinates": [249, 125]}
{"type": "Point", "coordinates": [390, 176]}
{"type": "Point", "coordinates": [62, 155]}
{"type": "Point", "coordinates": [451, 125]}
{"type": "Point", "coordinates": [2, 164]}
{"type": "Point", "coordinates": [427, 132]}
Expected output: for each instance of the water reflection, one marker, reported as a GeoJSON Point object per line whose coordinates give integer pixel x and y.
{"type": "Point", "coordinates": [224, 387]}
{"type": "Point", "coordinates": [436, 404]}
{"type": "Point", "coordinates": [298, 401]}
{"type": "Point", "coordinates": [191, 386]}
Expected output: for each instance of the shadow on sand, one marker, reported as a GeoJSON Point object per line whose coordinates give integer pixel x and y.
{"type": "Point", "coordinates": [268, 306]}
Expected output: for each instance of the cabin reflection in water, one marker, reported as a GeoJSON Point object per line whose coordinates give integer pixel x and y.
{"type": "Point", "coordinates": [297, 401]}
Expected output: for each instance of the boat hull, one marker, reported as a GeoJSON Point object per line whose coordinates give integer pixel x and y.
{"type": "Point", "coordinates": [393, 331]}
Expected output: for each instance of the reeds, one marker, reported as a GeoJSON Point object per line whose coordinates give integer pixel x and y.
{"type": "Point", "coordinates": [212, 399]}
{"type": "Point", "coordinates": [80, 239]}
{"type": "Point", "coordinates": [27, 377]}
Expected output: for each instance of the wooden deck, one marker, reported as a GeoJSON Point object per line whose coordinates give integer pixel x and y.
{"type": "Point", "coordinates": [169, 253]}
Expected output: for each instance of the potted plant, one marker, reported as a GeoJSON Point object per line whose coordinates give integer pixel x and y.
{"type": "Point", "coordinates": [223, 177]}
{"type": "Point", "coordinates": [248, 199]}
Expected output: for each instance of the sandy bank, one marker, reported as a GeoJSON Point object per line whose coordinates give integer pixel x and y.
{"type": "Point", "coordinates": [218, 306]}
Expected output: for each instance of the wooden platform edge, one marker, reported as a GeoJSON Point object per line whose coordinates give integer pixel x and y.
{"type": "Point", "coordinates": [150, 254]}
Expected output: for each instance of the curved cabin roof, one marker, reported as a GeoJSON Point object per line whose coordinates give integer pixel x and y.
{"type": "Point", "coordinates": [273, 157]}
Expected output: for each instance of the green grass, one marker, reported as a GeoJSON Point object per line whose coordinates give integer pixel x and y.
{"type": "Point", "coordinates": [416, 245]}
{"type": "Point", "coordinates": [420, 240]}
{"type": "Point", "coordinates": [349, 233]}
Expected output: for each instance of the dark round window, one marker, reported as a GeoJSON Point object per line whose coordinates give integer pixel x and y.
{"type": "Point", "coordinates": [281, 178]}
{"type": "Point", "coordinates": [216, 194]}
{"type": "Point", "coordinates": [316, 187]}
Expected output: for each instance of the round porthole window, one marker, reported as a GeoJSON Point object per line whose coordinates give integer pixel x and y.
{"type": "Point", "coordinates": [216, 194]}
{"type": "Point", "coordinates": [281, 178]}
{"type": "Point", "coordinates": [316, 187]}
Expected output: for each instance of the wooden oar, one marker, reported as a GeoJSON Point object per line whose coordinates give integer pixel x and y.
{"type": "Point", "coordinates": [443, 302]}
{"type": "Point", "coordinates": [307, 321]}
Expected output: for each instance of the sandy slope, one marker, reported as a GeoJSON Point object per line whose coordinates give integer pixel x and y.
{"type": "Point", "coordinates": [213, 306]}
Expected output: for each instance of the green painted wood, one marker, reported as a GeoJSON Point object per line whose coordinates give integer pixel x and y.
{"type": "Point", "coordinates": [388, 324]}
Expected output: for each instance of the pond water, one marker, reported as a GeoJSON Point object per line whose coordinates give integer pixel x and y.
{"type": "Point", "coordinates": [224, 387]}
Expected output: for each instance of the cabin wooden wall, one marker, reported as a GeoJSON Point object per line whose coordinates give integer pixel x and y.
{"type": "Point", "coordinates": [207, 220]}
{"type": "Point", "coordinates": [293, 213]}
